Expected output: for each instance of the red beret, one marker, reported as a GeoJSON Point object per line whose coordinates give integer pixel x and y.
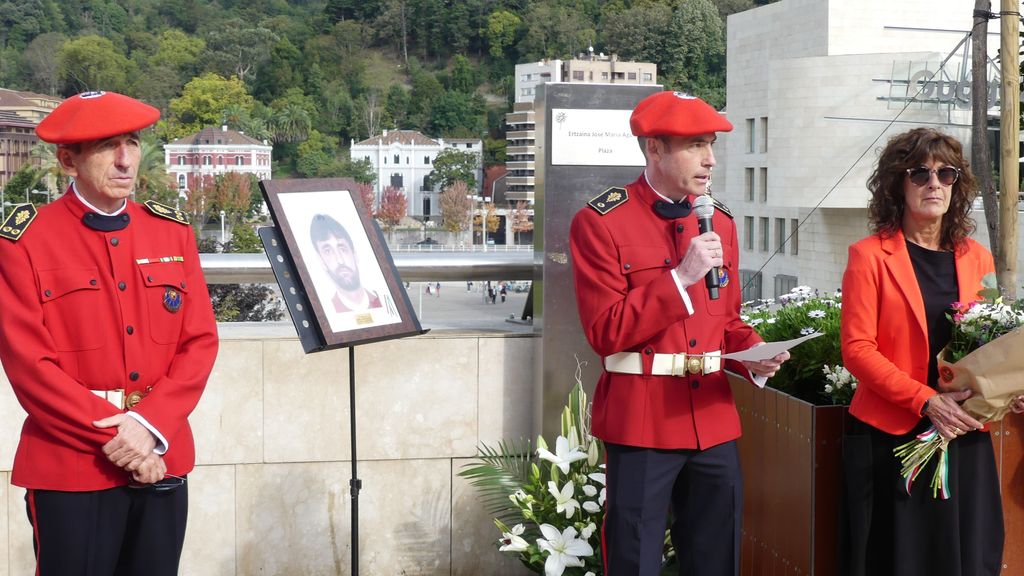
{"type": "Point", "coordinates": [676, 114]}
{"type": "Point", "coordinates": [94, 116]}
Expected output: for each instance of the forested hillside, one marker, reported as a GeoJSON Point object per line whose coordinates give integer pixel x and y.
{"type": "Point", "coordinates": [310, 75]}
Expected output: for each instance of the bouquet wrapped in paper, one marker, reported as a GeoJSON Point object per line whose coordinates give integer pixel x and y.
{"type": "Point", "coordinates": [984, 356]}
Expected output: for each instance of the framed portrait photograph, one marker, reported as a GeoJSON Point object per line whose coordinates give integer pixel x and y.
{"type": "Point", "coordinates": [342, 263]}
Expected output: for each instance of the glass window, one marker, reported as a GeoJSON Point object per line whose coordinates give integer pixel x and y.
{"type": "Point", "coordinates": [426, 159]}
{"type": "Point", "coordinates": [784, 283]}
{"type": "Point", "coordinates": [780, 234]}
{"type": "Point", "coordinates": [577, 74]}
{"type": "Point", "coordinates": [751, 135]}
{"type": "Point", "coordinates": [764, 133]}
{"type": "Point", "coordinates": [206, 160]}
{"type": "Point", "coordinates": [604, 75]}
{"type": "Point", "coordinates": [748, 183]}
{"type": "Point", "coordinates": [648, 77]}
{"type": "Point", "coordinates": [750, 283]}
{"type": "Point", "coordinates": [181, 160]}
{"type": "Point", "coordinates": [748, 232]}
{"type": "Point", "coordinates": [631, 76]}
{"type": "Point", "coordinates": [765, 233]}
{"type": "Point", "coordinates": [794, 236]}
{"type": "Point", "coordinates": [764, 185]}
{"type": "Point", "coordinates": [397, 160]}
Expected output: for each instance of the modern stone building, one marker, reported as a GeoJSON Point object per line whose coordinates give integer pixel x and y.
{"type": "Point", "coordinates": [815, 89]}
{"type": "Point", "coordinates": [587, 68]}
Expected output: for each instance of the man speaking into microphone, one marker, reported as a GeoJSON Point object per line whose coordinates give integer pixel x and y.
{"type": "Point", "coordinates": [663, 406]}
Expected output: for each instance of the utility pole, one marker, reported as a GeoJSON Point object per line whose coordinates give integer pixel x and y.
{"type": "Point", "coordinates": [981, 152]}
{"type": "Point", "coordinates": [1009, 146]}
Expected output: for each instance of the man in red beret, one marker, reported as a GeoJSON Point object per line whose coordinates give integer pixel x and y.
{"type": "Point", "coordinates": [108, 336]}
{"type": "Point", "coordinates": [663, 405]}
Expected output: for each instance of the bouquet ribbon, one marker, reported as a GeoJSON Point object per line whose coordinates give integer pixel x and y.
{"type": "Point", "coordinates": [914, 455]}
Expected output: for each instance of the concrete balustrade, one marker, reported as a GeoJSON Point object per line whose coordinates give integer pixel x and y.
{"type": "Point", "coordinates": [270, 494]}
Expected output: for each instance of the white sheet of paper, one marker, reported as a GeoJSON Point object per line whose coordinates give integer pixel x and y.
{"type": "Point", "coordinates": [769, 349]}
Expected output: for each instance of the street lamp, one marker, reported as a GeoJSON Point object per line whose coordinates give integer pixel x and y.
{"type": "Point", "coordinates": [222, 239]}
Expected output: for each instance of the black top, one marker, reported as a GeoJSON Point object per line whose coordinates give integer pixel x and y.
{"type": "Point", "coordinates": [936, 276]}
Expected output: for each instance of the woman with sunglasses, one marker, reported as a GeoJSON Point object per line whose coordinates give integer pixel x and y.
{"type": "Point", "coordinates": [898, 286]}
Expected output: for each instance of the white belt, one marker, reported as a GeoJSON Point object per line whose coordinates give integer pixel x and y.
{"type": "Point", "coordinates": [115, 397]}
{"type": "Point", "coordinates": [665, 364]}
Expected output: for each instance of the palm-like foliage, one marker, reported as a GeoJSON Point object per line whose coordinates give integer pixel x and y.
{"type": "Point", "coordinates": [498, 473]}
{"type": "Point", "coordinates": [291, 124]}
{"type": "Point", "coordinates": [152, 180]}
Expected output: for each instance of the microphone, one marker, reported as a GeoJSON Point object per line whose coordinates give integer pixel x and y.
{"type": "Point", "coordinates": [704, 209]}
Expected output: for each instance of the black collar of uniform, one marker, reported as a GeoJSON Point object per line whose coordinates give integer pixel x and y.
{"type": "Point", "coordinates": [105, 223]}
{"type": "Point", "coordinates": [672, 210]}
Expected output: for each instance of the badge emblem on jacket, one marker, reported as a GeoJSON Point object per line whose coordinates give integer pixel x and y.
{"type": "Point", "coordinates": [172, 300]}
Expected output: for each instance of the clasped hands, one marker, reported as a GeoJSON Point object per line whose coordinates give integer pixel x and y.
{"type": "Point", "coordinates": [132, 449]}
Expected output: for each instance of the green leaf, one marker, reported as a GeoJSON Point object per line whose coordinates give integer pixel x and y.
{"type": "Point", "coordinates": [498, 473]}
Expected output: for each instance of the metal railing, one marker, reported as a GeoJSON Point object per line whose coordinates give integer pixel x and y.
{"type": "Point", "coordinates": [412, 266]}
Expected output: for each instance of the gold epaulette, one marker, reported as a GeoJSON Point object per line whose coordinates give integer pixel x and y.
{"type": "Point", "coordinates": [15, 225]}
{"type": "Point", "coordinates": [609, 199]}
{"type": "Point", "coordinates": [722, 207]}
{"type": "Point", "coordinates": [166, 212]}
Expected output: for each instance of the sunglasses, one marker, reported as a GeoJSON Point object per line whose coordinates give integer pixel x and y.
{"type": "Point", "coordinates": [170, 482]}
{"type": "Point", "coordinates": [920, 176]}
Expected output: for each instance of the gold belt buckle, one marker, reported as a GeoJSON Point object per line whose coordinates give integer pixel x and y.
{"type": "Point", "coordinates": [695, 364]}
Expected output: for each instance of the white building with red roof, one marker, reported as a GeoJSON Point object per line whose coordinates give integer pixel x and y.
{"type": "Point", "coordinates": [405, 158]}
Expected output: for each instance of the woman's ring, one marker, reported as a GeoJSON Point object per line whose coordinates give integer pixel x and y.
{"type": "Point", "coordinates": [957, 431]}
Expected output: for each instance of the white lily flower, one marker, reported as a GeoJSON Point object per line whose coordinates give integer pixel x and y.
{"type": "Point", "coordinates": [592, 453]}
{"type": "Point", "coordinates": [591, 507]}
{"type": "Point", "coordinates": [563, 456]}
{"type": "Point", "coordinates": [588, 530]}
{"type": "Point", "coordinates": [564, 498]}
{"type": "Point", "coordinates": [599, 478]}
{"type": "Point", "coordinates": [563, 548]}
{"type": "Point", "coordinates": [589, 574]}
{"type": "Point", "coordinates": [513, 541]}
{"type": "Point", "coordinates": [589, 490]}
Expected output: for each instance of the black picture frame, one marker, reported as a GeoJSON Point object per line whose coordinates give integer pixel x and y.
{"type": "Point", "coordinates": [383, 310]}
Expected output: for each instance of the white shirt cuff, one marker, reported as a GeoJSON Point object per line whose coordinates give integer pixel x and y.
{"type": "Point", "coordinates": [682, 293]}
{"type": "Point", "coordinates": [161, 442]}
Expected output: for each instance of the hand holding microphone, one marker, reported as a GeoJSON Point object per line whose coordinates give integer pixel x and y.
{"type": "Point", "coordinates": [704, 255]}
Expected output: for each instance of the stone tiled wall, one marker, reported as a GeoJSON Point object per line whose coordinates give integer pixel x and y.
{"type": "Point", "coordinates": [270, 494]}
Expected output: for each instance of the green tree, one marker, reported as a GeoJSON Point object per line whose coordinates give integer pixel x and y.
{"type": "Point", "coordinates": [463, 78]}
{"type": "Point", "coordinates": [178, 51]}
{"type": "Point", "coordinates": [203, 102]}
{"type": "Point", "coordinates": [457, 114]}
{"type": "Point", "coordinates": [396, 106]}
{"type": "Point", "coordinates": [25, 179]}
{"type": "Point", "coordinates": [554, 30]}
{"type": "Point", "coordinates": [291, 123]}
{"type": "Point", "coordinates": [93, 63]}
{"type": "Point", "coordinates": [152, 181]}
{"type": "Point", "coordinates": [236, 48]}
{"type": "Point", "coordinates": [452, 165]}
{"type": "Point", "coordinates": [360, 170]}
{"type": "Point", "coordinates": [502, 29]}
{"type": "Point", "coordinates": [42, 69]}
{"type": "Point", "coordinates": [699, 36]}
{"type": "Point", "coordinates": [281, 72]}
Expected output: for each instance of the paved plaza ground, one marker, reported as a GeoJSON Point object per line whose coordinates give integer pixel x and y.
{"type": "Point", "coordinates": [456, 308]}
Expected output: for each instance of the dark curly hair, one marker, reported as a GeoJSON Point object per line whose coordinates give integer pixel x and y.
{"type": "Point", "coordinates": [910, 150]}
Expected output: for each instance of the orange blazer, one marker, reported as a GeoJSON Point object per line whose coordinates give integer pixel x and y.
{"type": "Point", "coordinates": [884, 333]}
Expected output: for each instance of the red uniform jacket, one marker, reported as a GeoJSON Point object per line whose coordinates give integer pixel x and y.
{"type": "Point", "coordinates": [83, 310]}
{"type": "Point", "coordinates": [884, 331]}
{"type": "Point", "coordinates": [629, 301]}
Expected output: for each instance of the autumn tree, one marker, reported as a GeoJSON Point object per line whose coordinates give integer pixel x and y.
{"type": "Point", "coordinates": [366, 194]}
{"type": "Point", "coordinates": [393, 206]}
{"type": "Point", "coordinates": [456, 205]}
{"type": "Point", "coordinates": [231, 194]}
{"type": "Point", "coordinates": [521, 219]}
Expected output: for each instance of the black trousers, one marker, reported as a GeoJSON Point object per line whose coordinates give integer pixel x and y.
{"type": "Point", "coordinates": [703, 489]}
{"type": "Point", "coordinates": [122, 531]}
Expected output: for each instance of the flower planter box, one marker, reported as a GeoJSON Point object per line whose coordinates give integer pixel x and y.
{"type": "Point", "coordinates": [791, 453]}
{"type": "Point", "coordinates": [791, 456]}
